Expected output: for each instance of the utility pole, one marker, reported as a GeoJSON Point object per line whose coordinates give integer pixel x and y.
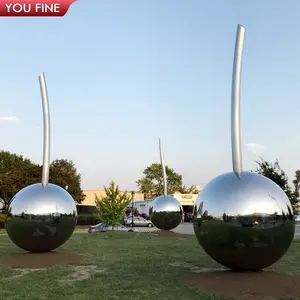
{"type": "Point", "coordinates": [132, 199]}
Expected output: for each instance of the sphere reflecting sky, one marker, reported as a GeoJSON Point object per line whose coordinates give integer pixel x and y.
{"type": "Point", "coordinates": [244, 224]}
{"type": "Point", "coordinates": [166, 212]}
{"type": "Point", "coordinates": [41, 219]}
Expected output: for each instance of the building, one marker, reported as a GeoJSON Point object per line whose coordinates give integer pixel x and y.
{"type": "Point", "coordinates": [90, 196]}
{"type": "Point", "coordinates": [187, 201]}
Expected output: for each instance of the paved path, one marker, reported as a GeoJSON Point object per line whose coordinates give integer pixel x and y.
{"type": "Point", "coordinates": [297, 233]}
{"type": "Point", "coordinates": [186, 228]}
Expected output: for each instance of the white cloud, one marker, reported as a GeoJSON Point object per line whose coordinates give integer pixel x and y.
{"type": "Point", "coordinates": [9, 119]}
{"type": "Point", "coordinates": [256, 148]}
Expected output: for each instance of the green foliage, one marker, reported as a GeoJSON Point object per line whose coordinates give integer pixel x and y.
{"type": "Point", "coordinates": [166, 220]}
{"type": "Point", "coordinates": [188, 190]}
{"type": "Point", "coordinates": [151, 185]}
{"type": "Point", "coordinates": [296, 183]}
{"type": "Point", "coordinates": [64, 174]}
{"type": "Point", "coordinates": [111, 208]}
{"type": "Point", "coordinates": [274, 172]}
{"type": "Point", "coordinates": [17, 172]}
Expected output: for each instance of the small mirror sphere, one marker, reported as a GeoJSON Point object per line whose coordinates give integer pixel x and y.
{"type": "Point", "coordinates": [166, 212]}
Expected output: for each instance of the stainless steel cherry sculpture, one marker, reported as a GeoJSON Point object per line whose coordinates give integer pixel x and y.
{"type": "Point", "coordinates": [243, 220]}
{"type": "Point", "coordinates": [165, 211]}
{"type": "Point", "coordinates": [42, 216]}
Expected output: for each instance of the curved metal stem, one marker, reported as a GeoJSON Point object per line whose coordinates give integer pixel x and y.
{"type": "Point", "coordinates": [46, 119]}
{"type": "Point", "coordinates": [235, 103]}
{"type": "Point", "coordinates": [163, 168]}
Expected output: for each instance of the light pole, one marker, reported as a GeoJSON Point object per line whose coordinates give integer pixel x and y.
{"type": "Point", "coordinates": [132, 198]}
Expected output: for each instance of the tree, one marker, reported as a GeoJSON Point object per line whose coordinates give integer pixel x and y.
{"type": "Point", "coordinates": [189, 190]}
{"type": "Point", "coordinates": [296, 183]}
{"type": "Point", "coordinates": [151, 185]}
{"type": "Point", "coordinates": [64, 174]}
{"type": "Point", "coordinates": [274, 172]}
{"type": "Point", "coordinates": [111, 208]}
{"type": "Point", "coordinates": [16, 172]}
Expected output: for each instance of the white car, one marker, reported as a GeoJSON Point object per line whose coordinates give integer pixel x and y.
{"type": "Point", "coordinates": [101, 227]}
{"type": "Point", "coordinates": [138, 222]}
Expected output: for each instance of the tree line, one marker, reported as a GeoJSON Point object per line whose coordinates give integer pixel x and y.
{"type": "Point", "coordinates": [17, 172]}
{"type": "Point", "coordinates": [112, 206]}
{"type": "Point", "coordinates": [151, 184]}
{"type": "Point", "coordinates": [274, 172]}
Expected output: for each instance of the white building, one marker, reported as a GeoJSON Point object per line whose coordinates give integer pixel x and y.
{"type": "Point", "coordinates": [187, 201]}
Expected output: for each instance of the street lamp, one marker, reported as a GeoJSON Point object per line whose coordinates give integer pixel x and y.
{"type": "Point", "coordinates": [132, 198]}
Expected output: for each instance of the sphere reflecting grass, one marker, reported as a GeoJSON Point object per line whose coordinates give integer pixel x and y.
{"type": "Point", "coordinates": [166, 212]}
{"type": "Point", "coordinates": [41, 219]}
{"type": "Point", "coordinates": [244, 224]}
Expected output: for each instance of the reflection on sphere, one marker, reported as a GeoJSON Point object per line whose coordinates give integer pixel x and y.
{"type": "Point", "coordinates": [166, 212]}
{"type": "Point", "coordinates": [244, 224]}
{"type": "Point", "coordinates": [41, 219]}
{"type": "Point", "coordinates": [2, 205]}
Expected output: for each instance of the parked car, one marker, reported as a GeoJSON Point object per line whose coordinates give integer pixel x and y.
{"type": "Point", "coordinates": [102, 227]}
{"type": "Point", "coordinates": [138, 222]}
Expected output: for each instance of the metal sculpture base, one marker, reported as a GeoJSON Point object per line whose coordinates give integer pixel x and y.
{"type": "Point", "coordinates": [166, 212]}
{"type": "Point", "coordinates": [244, 224]}
{"type": "Point", "coordinates": [41, 219]}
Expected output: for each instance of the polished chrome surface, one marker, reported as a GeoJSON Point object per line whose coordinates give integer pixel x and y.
{"type": "Point", "coordinates": [166, 212]}
{"type": "Point", "coordinates": [235, 102]}
{"type": "Point", "coordinates": [163, 168]}
{"type": "Point", "coordinates": [244, 224]}
{"type": "Point", "coordinates": [46, 119]}
{"type": "Point", "coordinates": [243, 220]}
{"type": "Point", "coordinates": [41, 219]}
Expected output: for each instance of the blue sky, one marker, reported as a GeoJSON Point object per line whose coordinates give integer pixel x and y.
{"type": "Point", "coordinates": [121, 74]}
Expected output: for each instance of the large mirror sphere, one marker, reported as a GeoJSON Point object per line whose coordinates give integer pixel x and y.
{"type": "Point", "coordinates": [244, 224]}
{"type": "Point", "coordinates": [40, 219]}
{"type": "Point", "coordinates": [165, 212]}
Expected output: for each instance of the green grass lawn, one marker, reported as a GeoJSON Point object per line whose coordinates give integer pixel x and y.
{"type": "Point", "coordinates": [78, 227]}
{"type": "Point", "coordinates": [122, 266]}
